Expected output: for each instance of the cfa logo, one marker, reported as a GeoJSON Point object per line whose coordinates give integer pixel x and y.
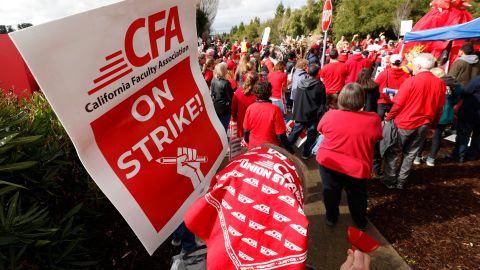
{"type": "Point", "coordinates": [171, 30]}
{"type": "Point", "coordinates": [119, 63]}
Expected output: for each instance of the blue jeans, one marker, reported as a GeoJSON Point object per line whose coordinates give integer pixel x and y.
{"type": "Point", "coordinates": [464, 131]}
{"type": "Point", "coordinates": [188, 238]}
{"type": "Point", "coordinates": [311, 135]}
{"type": "Point", "coordinates": [225, 120]}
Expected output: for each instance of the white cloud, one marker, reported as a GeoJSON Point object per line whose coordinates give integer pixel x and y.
{"type": "Point", "coordinates": [14, 12]}
{"type": "Point", "coordinates": [230, 12]}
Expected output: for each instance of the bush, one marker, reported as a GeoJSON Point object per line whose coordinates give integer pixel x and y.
{"type": "Point", "coordinates": [46, 196]}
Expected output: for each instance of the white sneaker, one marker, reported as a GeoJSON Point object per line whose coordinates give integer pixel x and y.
{"type": "Point", "coordinates": [417, 161]}
{"type": "Point", "coordinates": [430, 162]}
{"type": "Point", "coordinates": [176, 243]}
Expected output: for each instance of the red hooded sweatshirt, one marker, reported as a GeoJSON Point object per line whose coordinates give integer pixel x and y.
{"type": "Point", "coordinates": [390, 78]}
{"type": "Point", "coordinates": [355, 65]}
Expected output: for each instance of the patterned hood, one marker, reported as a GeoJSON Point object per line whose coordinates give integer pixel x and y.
{"type": "Point", "coordinates": [253, 217]}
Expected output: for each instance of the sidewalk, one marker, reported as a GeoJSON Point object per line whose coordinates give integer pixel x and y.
{"type": "Point", "coordinates": [327, 247]}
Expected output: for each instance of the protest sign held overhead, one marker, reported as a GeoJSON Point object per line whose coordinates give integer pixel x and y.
{"type": "Point", "coordinates": [124, 81]}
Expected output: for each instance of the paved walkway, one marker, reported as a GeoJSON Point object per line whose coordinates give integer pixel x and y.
{"type": "Point", "coordinates": [327, 247]}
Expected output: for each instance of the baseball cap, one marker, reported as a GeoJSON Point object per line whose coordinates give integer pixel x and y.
{"type": "Point", "coordinates": [357, 50]}
{"type": "Point", "coordinates": [315, 46]}
{"type": "Point", "coordinates": [396, 59]}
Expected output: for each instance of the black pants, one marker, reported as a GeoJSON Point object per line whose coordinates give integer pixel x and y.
{"type": "Point", "coordinates": [333, 184]}
{"type": "Point", "coordinates": [382, 109]}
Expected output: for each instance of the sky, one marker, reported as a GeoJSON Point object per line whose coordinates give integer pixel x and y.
{"type": "Point", "coordinates": [230, 12]}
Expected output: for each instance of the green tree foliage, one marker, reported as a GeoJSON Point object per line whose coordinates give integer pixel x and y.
{"type": "Point", "coordinates": [280, 11]}
{"type": "Point", "coordinates": [43, 190]}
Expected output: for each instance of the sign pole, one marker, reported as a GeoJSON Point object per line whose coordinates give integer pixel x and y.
{"type": "Point", "coordinates": [326, 21]}
{"type": "Point", "coordinates": [324, 48]}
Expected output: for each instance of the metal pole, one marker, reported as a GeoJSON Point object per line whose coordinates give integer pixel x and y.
{"type": "Point", "coordinates": [324, 47]}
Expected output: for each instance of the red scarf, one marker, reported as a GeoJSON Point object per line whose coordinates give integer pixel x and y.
{"type": "Point", "coordinates": [253, 217]}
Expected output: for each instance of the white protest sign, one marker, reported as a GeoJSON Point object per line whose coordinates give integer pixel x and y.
{"type": "Point", "coordinates": [266, 35]}
{"type": "Point", "coordinates": [125, 82]}
{"type": "Point", "coordinates": [405, 27]}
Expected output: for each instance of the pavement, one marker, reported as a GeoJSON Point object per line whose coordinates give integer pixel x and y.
{"type": "Point", "coordinates": [327, 246]}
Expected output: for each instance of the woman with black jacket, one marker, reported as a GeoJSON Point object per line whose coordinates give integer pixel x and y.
{"type": "Point", "coordinates": [370, 87]}
{"type": "Point", "coordinates": [222, 94]}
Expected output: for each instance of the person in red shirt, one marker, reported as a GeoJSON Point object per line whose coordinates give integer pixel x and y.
{"type": "Point", "coordinates": [208, 71]}
{"type": "Point", "coordinates": [355, 64]}
{"type": "Point", "coordinates": [367, 41]}
{"type": "Point", "coordinates": [243, 98]}
{"type": "Point", "coordinates": [278, 79]}
{"type": "Point", "coordinates": [333, 75]}
{"type": "Point", "coordinates": [417, 106]}
{"type": "Point", "coordinates": [345, 155]}
{"type": "Point", "coordinates": [263, 121]}
{"type": "Point", "coordinates": [392, 78]}
{"type": "Point", "coordinates": [267, 62]}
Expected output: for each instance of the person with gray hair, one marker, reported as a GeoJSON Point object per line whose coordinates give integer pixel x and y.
{"type": "Point", "coordinates": [416, 108]}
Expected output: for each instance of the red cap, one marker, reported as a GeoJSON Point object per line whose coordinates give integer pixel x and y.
{"type": "Point", "coordinates": [315, 46]}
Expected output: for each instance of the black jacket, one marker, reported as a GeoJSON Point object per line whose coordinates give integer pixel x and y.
{"type": "Point", "coordinates": [222, 94]}
{"type": "Point", "coordinates": [470, 110]}
{"type": "Point", "coordinates": [310, 102]}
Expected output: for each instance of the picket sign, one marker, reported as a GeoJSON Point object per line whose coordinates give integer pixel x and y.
{"type": "Point", "coordinates": [302, 138]}
{"type": "Point", "coordinates": [125, 82]}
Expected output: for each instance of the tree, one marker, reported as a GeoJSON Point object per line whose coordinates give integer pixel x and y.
{"type": "Point", "coordinates": [234, 30]}
{"type": "Point", "coordinates": [241, 27]}
{"type": "Point", "coordinates": [209, 7]}
{"type": "Point", "coordinates": [402, 13]}
{"type": "Point", "coordinates": [5, 29]}
{"type": "Point", "coordinates": [202, 22]}
{"type": "Point", "coordinates": [280, 11]}
{"type": "Point", "coordinates": [23, 25]}
{"type": "Point", "coordinates": [311, 16]}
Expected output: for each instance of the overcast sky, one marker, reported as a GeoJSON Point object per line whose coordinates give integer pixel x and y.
{"type": "Point", "coordinates": [230, 12]}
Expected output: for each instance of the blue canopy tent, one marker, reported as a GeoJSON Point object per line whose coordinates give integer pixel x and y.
{"type": "Point", "coordinates": [469, 30]}
{"type": "Point", "coordinates": [461, 31]}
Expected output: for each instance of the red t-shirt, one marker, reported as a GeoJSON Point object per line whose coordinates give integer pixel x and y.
{"type": "Point", "coordinates": [333, 76]}
{"type": "Point", "coordinates": [349, 142]}
{"type": "Point", "coordinates": [265, 122]}
{"type": "Point", "coordinates": [240, 103]}
{"type": "Point", "coordinates": [396, 77]}
{"type": "Point", "coordinates": [269, 64]}
{"type": "Point", "coordinates": [208, 76]}
{"type": "Point", "coordinates": [419, 101]}
{"type": "Point", "coordinates": [278, 80]}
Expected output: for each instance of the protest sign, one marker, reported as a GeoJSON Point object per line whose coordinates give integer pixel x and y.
{"type": "Point", "coordinates": [266, 35]}
{"type": "Point", "coordinates": [125, 82]}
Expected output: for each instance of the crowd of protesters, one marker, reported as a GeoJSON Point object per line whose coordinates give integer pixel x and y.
{"type": "Point", "coordinates": [262, 87]}
{"type": "Point", "coordinates": [373, 107]}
